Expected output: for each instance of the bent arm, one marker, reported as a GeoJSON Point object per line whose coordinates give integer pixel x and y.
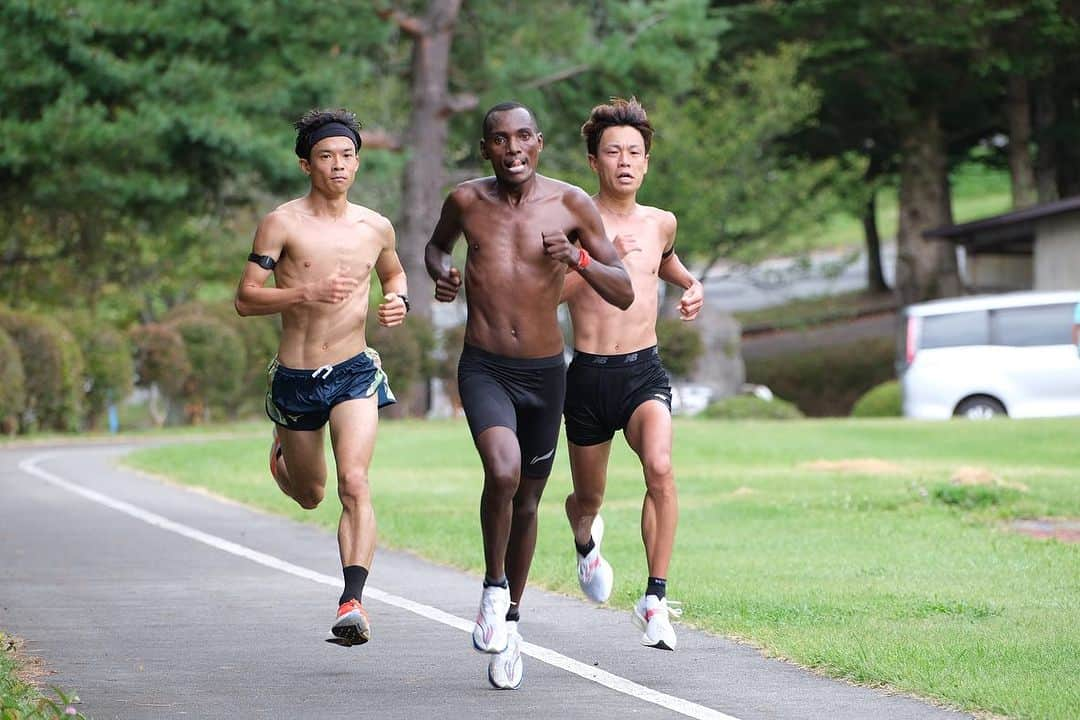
{"type": "Point", "coordinates": [437, 257]}
{"type": "Point", "coordinates": [605, 272]}
{"type": "Point", "coordinates": [388, 266]}
{"type": "Point", "coordinates": [252, 297]}
{"type": "Point", "coordinates": [673, 271]}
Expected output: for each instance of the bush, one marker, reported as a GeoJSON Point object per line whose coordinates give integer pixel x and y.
{"type": "Point", "coordinates": [161, 365]}
{"type": "Point", "coordinates": [259, 335]}
{"type": "Point", "coordinates": [218, 359]}
{"type": "Point", "coordinates": [749, 407]}
{"type": "Point", "coordinates": [12, 384]}
{"type": "Point", "coordinates": [53, 367]}
{"type": "Point", "coordinates": [881, 401]}
{"type": "Point", "coordinates": [160, 358]}
{"type": "Point", "coordinates": [826, 381]}
{"type": "Point", "coordinates": [110, 367]}
{"type": "Point", "coordinates": [406, 352]}
{"type": "Point", "coordinates": [681, 346]}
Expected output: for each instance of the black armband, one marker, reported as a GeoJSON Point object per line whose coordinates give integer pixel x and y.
{"type": "Point", "coordinates": [668, 253]}
{"type": "Point", "coordinates": [264, 261]}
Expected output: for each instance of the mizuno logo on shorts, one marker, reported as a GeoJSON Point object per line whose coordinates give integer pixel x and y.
{"type": "Point", "coordinates": [541, 458]}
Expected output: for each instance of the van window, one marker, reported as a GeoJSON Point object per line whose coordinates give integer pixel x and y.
{"type": "Point", "coordinates": [1027, 326]}
{"type": "Point", "coordinates": [955, 329]}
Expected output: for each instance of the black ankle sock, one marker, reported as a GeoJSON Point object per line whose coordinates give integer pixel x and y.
{"type": "Point", "coordinates": [512, 615]}
{"type": "Point", "coordinates": [657, 586]}
{"type": "Point", "coordinates": [501, 582]}
{"type": "Point", "coordinates": [585, 549]}
{"type": "Point", "coordinates": [355, 577]}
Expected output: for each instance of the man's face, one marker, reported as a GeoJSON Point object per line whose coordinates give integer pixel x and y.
{"type": "Point", "coordinates": [620, 162]}
{"type": "Point", "coordinates": [333, 164]}
{"type": "Point", "coordinates": [513, 146]}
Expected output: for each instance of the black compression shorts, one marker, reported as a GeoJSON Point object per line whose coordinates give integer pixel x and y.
{"type": "Point", "coordinates": [602, 392]}
{"type": "Point", "coordinates": [523, 394]}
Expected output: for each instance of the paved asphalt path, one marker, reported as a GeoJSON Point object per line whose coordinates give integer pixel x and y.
{"type": "Point", "coordinates": [155, 601]}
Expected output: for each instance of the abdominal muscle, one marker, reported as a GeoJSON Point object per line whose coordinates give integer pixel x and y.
{"type": "Point", "coordinates": [603, 329]}
{"type": "Point", "coordinates": [317, 334]}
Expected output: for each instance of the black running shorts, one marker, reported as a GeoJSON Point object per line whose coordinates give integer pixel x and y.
{"type": "Point", "coordinates": [603, 391]}
{"type": "Point", "coordinates": [523, 394]}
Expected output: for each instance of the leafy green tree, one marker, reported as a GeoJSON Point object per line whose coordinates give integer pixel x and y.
{"type": "Point", "coordinates": [130, 129]}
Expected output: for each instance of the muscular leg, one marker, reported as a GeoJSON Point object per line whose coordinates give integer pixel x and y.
{"type": "Point", "coordinates": [649, 434]}
{"type": "Point", "coordinates": [522, 542]}
{"type": "Point", "coordinates": [501, 457]}
{"type": "Point", "coordinates": [352, 432]}
{"type": "Point", "coordinates": [588, 466]}
{"type": "Point", "coordinates": [301, 469]}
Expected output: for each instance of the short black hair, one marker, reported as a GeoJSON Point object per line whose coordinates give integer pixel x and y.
{"type": "Point", "coordinates": [314, 119]}
{"type": "Point", "coordinates": [503, 107]}
{"type": "Point", "coordinates": [617, 113]}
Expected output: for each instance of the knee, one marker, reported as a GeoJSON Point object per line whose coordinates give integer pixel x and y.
{"type": "Point", "coordinates": [659, 476]}
{"type": "Point", "coordinates": [588, 500]}
{"type": "Point", "coordinates": [353, 488]}
{"type": "Point", "coordinates": [502, 481]}
{"type": "Point", "coordinates": [309, 498]}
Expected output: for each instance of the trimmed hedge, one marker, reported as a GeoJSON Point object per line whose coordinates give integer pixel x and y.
{"type": "Point", "coordinates": [826, 381]}
{"type": "Point", "coordinates": [405, 350]}
{"type": "Point", "coordinates": [258, 334]}
{"type": "Point", "coordinates": [110, 366]}
{"type": "Point", "coordinates": [881, 401]}
{"type": "Point", "coordinates": [160, 358]}
{"type": "Point", "coordinates": [218, 360]}
{"type": "Point", "coordinates": [12, 384]}
{"type": "Point", "coordinates": [53, 367]}
{"type": "Point", "coordinates": [749, 407]}
{"type": "Point", "coordinates": [681, 346]}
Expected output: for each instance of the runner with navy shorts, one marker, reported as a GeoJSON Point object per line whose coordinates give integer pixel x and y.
{"type": "Point", "coordinates": [321, 250]}
{"type": "Point", "coordinates": [520, 228]}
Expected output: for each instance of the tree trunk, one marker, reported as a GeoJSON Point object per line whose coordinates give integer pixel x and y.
{"type": "Point", "coordinates": [1021, 167]}
{"type": "Point", "coordinates": [875, 278]}
{"type": "Point", "coordinates": [1046, 154]}
{"type": "Point", "coordinates": [925, 267]}
{"type": "Point", "coordinates": [425, 142]}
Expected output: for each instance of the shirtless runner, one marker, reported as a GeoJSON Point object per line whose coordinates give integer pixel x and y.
{"type": "Point", "coordinates": [520, 228]}
{"type": "Point", "coordinates": [321, 250]}
{"type": "Point", "coordinates": [616, 381]}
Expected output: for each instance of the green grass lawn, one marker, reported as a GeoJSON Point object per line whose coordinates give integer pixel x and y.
{"type": "Point", "coordinates": [880, 573]}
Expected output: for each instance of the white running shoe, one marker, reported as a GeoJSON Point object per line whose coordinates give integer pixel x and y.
{"type": "Point", "coordinates": [489, 635]}
{"type": "Point", "coordinates": [505, 669]}
{"type": "Point", "coordinates": [594, 573]}
{"type": "Point", "coordinates": [651, 615]}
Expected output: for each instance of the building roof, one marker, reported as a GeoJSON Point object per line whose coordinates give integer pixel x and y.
{"type": "Point", "coordinates": [1023, 220]}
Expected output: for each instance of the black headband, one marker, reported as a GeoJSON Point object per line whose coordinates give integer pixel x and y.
{"type": "Point", "coordinates": [330, 129]}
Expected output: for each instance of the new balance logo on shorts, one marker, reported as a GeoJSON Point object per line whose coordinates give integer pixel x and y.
{"type": "Point", "coordinates": [541, 458]}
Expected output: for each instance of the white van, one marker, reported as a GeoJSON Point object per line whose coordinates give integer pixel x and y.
{"type": "Point", "coordinates": [988, 355]}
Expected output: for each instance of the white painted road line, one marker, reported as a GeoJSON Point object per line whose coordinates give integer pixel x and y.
{"type": "Point", "coordinates": [546, 655]}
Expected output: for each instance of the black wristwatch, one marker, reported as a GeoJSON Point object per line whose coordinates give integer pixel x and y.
{"type": "Point", "coordinates": [405, 299]}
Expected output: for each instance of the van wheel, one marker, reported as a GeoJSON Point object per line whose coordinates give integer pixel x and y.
{"type": "Point", "coordinates": [980, 407]}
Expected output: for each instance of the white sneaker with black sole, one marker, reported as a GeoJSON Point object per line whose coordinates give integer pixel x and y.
{"type": "Point", "coordinates": [652, 615]}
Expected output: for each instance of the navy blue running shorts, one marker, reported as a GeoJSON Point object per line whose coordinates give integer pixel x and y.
{"type": "Point", "coordinates": [302, 399]}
